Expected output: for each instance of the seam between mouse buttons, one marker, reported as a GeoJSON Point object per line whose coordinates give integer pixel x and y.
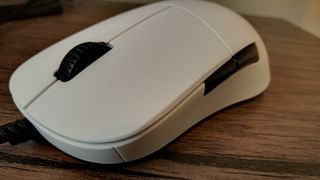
{"type": "Point", "coordinates": [40, 93]}
{"type": "Point", "coordinates": [120, 154]}
{"type": "Point", "coordinates": [139, 22]}
{"type": "Point", "coordinates": [205, 23]}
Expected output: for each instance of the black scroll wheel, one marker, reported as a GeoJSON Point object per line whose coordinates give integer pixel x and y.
{"type": "Point", "coordinates": [80, 57]}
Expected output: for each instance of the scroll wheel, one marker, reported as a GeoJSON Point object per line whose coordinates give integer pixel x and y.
{"type": "Point", "coordinates": [80, 57]}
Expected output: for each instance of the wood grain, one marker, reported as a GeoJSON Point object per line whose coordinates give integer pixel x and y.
{"type": "Point", "coordinates": [275, 135]}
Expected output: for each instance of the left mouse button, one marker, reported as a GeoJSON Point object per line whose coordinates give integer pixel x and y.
{"type": "Point", "coordinates": [80, 57]}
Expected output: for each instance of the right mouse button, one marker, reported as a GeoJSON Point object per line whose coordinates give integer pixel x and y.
{"type": "Point", "coordinates": [244, 57]}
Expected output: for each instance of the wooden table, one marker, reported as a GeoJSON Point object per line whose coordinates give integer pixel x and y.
{"type": "Point", "coordinates": [276, 135]}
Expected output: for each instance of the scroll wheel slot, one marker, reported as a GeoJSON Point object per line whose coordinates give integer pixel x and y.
{"type": "Point", "coordinates": [79, 58]}
{"type": "Point", "coordinates": [244, 57]}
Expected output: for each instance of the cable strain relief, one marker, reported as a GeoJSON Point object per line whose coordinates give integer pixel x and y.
{"type": "Point", "coordinates": [17, 132]}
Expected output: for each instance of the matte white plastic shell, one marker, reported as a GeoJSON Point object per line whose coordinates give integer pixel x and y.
{"type": "Point", "coordinates": [153, 90]}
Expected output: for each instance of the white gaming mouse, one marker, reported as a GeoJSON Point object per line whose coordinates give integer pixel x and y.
{"type": "Point", "coordinates": [127, 86]}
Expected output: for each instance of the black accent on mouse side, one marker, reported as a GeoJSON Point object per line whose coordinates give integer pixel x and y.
{"type": "Point", "coordinates": [244, 57]}
{"type": "Point", "coordinates": [80, 57]}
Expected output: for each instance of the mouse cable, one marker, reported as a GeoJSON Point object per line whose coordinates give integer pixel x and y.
{"type": "Point", "coordinates": [17, 132]}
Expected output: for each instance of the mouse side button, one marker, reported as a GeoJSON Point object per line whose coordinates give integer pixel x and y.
{"type": "Point", "coordinates": [246, 56]}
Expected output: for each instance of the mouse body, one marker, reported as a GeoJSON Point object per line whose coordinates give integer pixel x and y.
{"type": "Point", "coordinates": [161, 69]}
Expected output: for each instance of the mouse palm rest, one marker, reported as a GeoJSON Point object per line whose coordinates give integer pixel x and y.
{"type": "Point", "coordinates": [127, 86]}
